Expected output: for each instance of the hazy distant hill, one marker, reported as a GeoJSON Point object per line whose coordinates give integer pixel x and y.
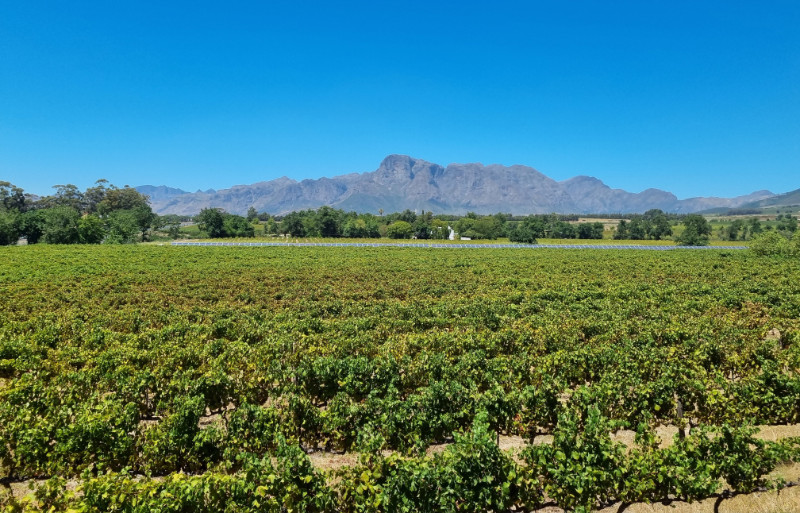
{"type": "Point", "coordinates": [788, 199]}
{"type": "Point", "coordinates": [402, 182]}
{"type": "Point", "coordinates": [160, 193]}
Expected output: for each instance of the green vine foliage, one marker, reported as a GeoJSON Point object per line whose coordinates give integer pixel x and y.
{"type": "Point", "coordinates": [142, 375]}
{"type": "Point", "coordinates": [471, 475]}
{"type": "Point", "coordinates": [583, 466]}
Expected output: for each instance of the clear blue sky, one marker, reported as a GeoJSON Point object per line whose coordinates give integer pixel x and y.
{"type": "Point", "coordinates": [695, 97]}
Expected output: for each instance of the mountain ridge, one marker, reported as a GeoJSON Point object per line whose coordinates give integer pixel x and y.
{"type": "Point", "coordinates": [402, 182]}
{"type": "Point", "coordinates": [787, 199]}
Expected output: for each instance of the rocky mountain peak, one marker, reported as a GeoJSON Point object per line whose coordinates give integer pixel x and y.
{"type": "Point", "coordinates": [402, 182]}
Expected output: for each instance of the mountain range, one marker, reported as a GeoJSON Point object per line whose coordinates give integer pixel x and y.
{"type": "Point", "coordinates": [402, 182]}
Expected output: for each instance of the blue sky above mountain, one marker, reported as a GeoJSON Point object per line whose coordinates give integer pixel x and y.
{"type": "Point", "coordinates": [699, 98]}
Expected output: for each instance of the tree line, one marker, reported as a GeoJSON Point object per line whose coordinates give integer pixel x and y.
{"type": "Point", "coordinates": [329, 222]}
{"type": "Point", "coordinates": [333, 223]}
{"type": "Point", "coordinates": [102, 213]}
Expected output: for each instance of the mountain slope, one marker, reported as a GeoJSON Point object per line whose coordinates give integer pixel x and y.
{"type": "Point", "coordinates": [402, 182]}
{"type": "Point", "coordinates": [788, 199]}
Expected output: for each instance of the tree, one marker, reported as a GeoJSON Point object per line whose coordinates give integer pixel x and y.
{"type": "Point", "coordinates": [755, 226]}
{"type": "Point", "coordinates": [311, 223]}
{"type": "Point", "coordinates": [769, 243]}
{"type": "Point", "coordinates": [786, 223]}
{"type": "Point", "coordinates": [236, 226]}
{"type": "Point", "coordinates": [361, 227]}
{"type": "Point", "coordinates": [9, 227]}
{"type": "Point", "coordinates": [563, 230]}
{"type": "Point", "coordinates": [407, 216]}
{"type": "Point", "coordinates": [328, 222]}
{"type": "Point", "coordinates": [590, 230]}
{"type": "Point", "coordinates": [145, 219]}
{"type": "Point", "coordinates": [91, 230]}
{"type": "Point", "coordinates": [271, 227]}
{"type": "Point", "coordinates": [422, 225]}
{"type": "Point", "coordinates": [61, 225]}
{"type": "Point", "coordinates": [292, 224]}
{"type": "Point", "coordinates": [464, 225]}
{"type": "Point", "coordinates": [106, 201]}
{"type": "Point", "coordinates": [490, 227]}
{"type": "Point", "coordinates": [172, 223]}
{"type": "Point", "coordinates": [123, 227]}
{"type": "Point", "coordinates": [372, 226]}
{"type": "Point", "coordinates": [529, 230]}
{"type": "Point", "coordinates": [696, 231]}
{"type": "Point", "coordinates": [252, 214]}
{"type": "Point", "coordinates": [399, 230]}
{"type": "Point", "coordinates": [126, 198]}
{"type": "Point", "coordinates": [211, 221]}
{"type": "Point", "coordinates": [66, 196]}
{"type": "Point", "coordinates": [657, 224]}
{"type": "Point", "coordinates": [94, 196]}
{"type": "Point", "coordinates": [354, 229]}
{"type": "Point", "coordinates": [12, 197]}
{"type": "Point", "coordinates": [174, 230]}
{"type": "Point", "coordinates": [622, 230]}
{"type": "Point", "coordinates": [731, 232]}
{"type": "Point", "coordinates": [439, 230]}
{"type": "Point", "coordinates": [31, 225]}
{"type": "Point", "coordinates": [637, 229]}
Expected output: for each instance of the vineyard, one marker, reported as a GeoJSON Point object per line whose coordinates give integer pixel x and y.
{"type": "Point", "coordinates": [184, 379]}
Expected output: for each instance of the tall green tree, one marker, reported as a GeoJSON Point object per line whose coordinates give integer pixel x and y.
{"type": "Point", "coordinates": [528, 230]}
{"type": "Point", "coordinates": [637, 229]}
{"type": "Point", "coordinates": [658, 225]}
{"type": "Point", "coordinates": [696, 231]}
{"type": "Point", "coordinates": [252, 214]}
{"type": "Point", "coordinates": [94, 196]}
{"type": "Point", "coordinates": [66, 196]}
{"type": "Point", "coordinates": [271, 227]}
{"type": "Point", "coordinates": [409, 216]}
{"type": "Point", "coordinates": [422, 225]}
{"type": "Point", "coordinates": [9, 227]}
{"type": "Point", "coordinates": [61, 225]}
{"type": "Point", "coordinates": [754, 225]}
{"type": "Point", "coordinates": [735, 231]}
{"type": "Point", "coordinates": [590, 230]}
{"type": "Point", "coordinates": [399, 230]}
{"type": "Point", "coordinates": [91, 230]}
{"type": "Point", "coordinates": [123, 227]}
{"type": "Point", "coordinates": [562, 230]}
{"type": "Point", "coordinates": [126, 198]}
{"type": "Point", "coordinates": [145, 219]}
{"type": "Point", "coordinates": [622, 230]}
{"type": "Point", "coordinates": [786, 223]}
{"type": "Point", "coordinates": [328, 222]}
{"type": "Point", "coordinates": [236, 226]}
{"type": "Point", "coordinates": [31, 225]}
{"type": "Point", "coordinates": [362, 227]}
{"type": "Point", "coordinates": [12, 197]}
{"type": "Point", "coordinates": [211, 221]}
{"type": "Point", "coordinates": [292, 224]}
{"type": "Point", "coordinates": [440, 229]}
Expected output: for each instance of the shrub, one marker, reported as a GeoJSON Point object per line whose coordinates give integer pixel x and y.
{"type": "Point", "coordinates": [771, 243]}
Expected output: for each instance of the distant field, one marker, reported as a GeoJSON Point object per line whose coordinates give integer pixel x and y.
{"type": "Point", "coordinates": [144, 375]}
{"type": "Point", "coordinates": [193, 232]}
{"type": "Point", "coordinates": [480, 241]}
